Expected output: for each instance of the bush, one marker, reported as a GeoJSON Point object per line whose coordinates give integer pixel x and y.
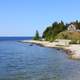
{"type": "Point", "coordinates": [75, 42]}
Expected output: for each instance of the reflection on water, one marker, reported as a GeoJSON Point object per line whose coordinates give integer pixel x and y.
{"type": "Point", "coordinates": [24, 62]}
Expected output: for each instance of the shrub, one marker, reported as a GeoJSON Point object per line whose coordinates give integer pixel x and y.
{"type": "Point", "coordinates": [75, 42]}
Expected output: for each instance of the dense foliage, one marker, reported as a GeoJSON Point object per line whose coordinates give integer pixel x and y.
{"type": "Point", "coordinates": [52, 31]}
{"type": "Point", "coordinates": [77, 23]}
{"type": "Point", "coordinates": [58, 30]}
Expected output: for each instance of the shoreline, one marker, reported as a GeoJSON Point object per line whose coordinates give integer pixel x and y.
{"type": "Point", "coordinates": [73, 50]}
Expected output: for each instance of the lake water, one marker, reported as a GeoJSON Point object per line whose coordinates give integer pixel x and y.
{"type": "Point", "coordinates": [21, 61]}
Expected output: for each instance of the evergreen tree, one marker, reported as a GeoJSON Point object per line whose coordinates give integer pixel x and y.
{"type": "Point", "coordinates": [51, 32]}
{"type": "Point", "coordinates": [36, 37]}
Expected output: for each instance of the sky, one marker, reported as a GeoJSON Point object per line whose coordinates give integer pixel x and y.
{"type": "Point", "coordinates": [24, 17]}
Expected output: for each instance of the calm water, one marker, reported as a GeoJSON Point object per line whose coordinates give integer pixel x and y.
{"type": "Point", "coordinates": [20, 61]}
{"type": "Point", "coordinates": [14, 38]}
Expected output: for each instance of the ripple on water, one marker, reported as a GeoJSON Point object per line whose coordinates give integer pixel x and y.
{"type": "Point", "coordinates": [23, 62]}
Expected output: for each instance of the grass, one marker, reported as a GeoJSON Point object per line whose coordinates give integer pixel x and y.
{"type": "Point", "coordinates": [69, 35]}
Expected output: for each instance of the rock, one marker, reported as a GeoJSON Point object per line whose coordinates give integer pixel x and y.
{"type": "Point", "coordinates": [75, 56]}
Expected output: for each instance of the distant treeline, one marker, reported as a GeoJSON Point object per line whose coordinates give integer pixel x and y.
{"type": "Point", "coordinates": [52, 31]}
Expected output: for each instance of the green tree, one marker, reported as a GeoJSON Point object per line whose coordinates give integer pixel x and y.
{"type": "Point", "coordinates": [36, 37]}
{"type": "Point", "coordinates": [47, 33]}
{"type": "Point", "coordinates": [51, 32]}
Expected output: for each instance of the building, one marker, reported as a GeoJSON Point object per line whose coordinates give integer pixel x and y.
{"type": "Point", "coordinates": [72, 27]}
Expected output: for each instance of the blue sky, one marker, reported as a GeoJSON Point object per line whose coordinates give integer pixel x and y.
{"type": "Point", "coordinates": [24, 17]}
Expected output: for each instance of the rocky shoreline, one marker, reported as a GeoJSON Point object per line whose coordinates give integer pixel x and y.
{"type": "Point", "coordinates": [72, 50]}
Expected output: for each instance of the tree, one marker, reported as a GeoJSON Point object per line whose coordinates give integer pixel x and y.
{"type": "Point", "coordinates": [51, 32]}
{"type": "Point", "coordinates": [36, 37]}
{"type": "Point", "coordinates": [47, 33]}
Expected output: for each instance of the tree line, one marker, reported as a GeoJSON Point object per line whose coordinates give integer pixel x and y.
{"type": "Point", "coordinates": [52, 31]}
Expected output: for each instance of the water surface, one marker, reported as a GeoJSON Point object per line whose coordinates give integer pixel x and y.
{"type": "Point", "coordinates": [20, 61]}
